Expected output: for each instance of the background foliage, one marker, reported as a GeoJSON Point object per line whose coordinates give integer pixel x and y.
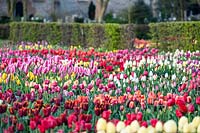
{"type": "Point", "coordinates": [173, 35]}
{"type": "Point", "coordinates": [109, 36]}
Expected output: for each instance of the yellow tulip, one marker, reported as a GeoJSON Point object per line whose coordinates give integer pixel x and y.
{"type": "Point", "coordinates": [110, 128]}
{"type": "Point", "coordinates": [101, 124]}
{"type": "Point", "coordinates": [170, 126]}
{"type": "Point", "coordinates": [4, 76]}
{"type": "Point", "coordinates": [182, 121]}
{"type": "Point", "coordinates": [120, 125]}
{"type": "Point", "coordinates": [18, 82]}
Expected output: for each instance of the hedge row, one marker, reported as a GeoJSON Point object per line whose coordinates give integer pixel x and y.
{"type": "Point", "coordinates": [4, 31]}
{"type": "Point", "coordinates": [173, 35]}
{"type": "Point", "coordinates": [109, 36]}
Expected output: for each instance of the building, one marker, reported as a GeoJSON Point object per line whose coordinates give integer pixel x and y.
{"type": "Point", "coordinates": [59, 9]}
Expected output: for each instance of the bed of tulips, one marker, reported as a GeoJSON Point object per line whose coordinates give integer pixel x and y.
{"type": "Point", "coordinates": [45, 89]}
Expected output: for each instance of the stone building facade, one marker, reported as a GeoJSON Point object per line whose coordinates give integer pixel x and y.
{"type": "Point", "coordinates": [61, 8]}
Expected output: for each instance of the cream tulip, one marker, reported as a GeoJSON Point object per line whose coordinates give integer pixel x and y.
{"type": "Point", "coordinates": [120, 125]}
{"type": "Point", "coordinates": [192, 128]}
{"type": "Point", "coordinates": [159, 126]}
{"type": "Point", "coordinates": [182, 121]}
{"type": "Point", "coordinates": [198, 129]}
{"type": "Point", "coordinates": [101, 124]}
{"type": "Point", "coordinates": [128, 129]}
{"type": "Point", "coordinates": [170, 126]}
{"type": "Point", "coordinates": [142, 130]}
{"type": "Point", "coordinates": [110, 128]}
{"type": "Point", "coordinates": [196, 121]}
{"type": "Point", "coordinates": [151, 129]}
{"type": "Point", "coordinates": [135, 126]}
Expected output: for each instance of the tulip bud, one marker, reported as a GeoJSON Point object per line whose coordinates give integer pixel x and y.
{"type": "Point", "coordinates": [170, 126]}
{"type": "Point", "coordinates": [110, 128]}
{"type": "Point", "coordinates": [120, 125]}
{"type": "Point", "coordinates": [101, 124]}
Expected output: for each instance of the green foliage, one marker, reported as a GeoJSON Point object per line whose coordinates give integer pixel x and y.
{"type": "Point", "coordinates": [110, 19]}
{"type": "Point", "coordinates": [173, 35]}
{"type": "Point", "coordinates": [110, 36]}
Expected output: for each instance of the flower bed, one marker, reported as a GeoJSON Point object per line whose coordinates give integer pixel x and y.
{"type": "Point", "coordinates": [74, 90]}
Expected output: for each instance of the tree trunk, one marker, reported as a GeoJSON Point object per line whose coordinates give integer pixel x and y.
{"type": "Point", "coordinates": [10, 5]}
{"type": "Point", "coordinates": [25, 9]}
{"type": "Point", "coordinates": [101, 6]}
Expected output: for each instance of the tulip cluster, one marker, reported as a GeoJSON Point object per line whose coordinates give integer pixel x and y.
{"type": "Point", "coordinates": [152, 126]}
{"type": "Point", "coordinates": [70, 89]}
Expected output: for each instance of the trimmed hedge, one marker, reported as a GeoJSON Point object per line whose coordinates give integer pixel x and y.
{"type": "Point", "coordinates": [173, 35]}
{"type": "Point", "coordinates": [4, 31]}
{"type": "Point", "coordinates": [108, 36]}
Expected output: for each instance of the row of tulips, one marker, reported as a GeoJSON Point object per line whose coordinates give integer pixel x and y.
{"type": "Point", "coordinates": [152, 126]}
{"type": "Point", "coordinates": [68, 90]}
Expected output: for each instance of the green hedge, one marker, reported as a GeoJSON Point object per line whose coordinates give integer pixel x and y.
{"type": "Point", "coordinates": [173, 35]}
{"type": "Point", "coordinates": [4, 31]}
{"type": "Point", "coordinates": [109, 36]}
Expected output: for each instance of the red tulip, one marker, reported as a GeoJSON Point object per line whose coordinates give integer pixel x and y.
{"type": "Point", "coordinates": [153, 122]}
{"type": "Point", "coordinates": [139, 116]}
{"type": "Point", "coordinates": [144, 124]}
{"type": "Point", "coordinates": [171, 102]}
{"type": "Point", "coordinates": [20, 127]}
{"type": "Point", "coordinates": [71, 119]}
{"type": "Point", "coordinates": [106, 114]}
{"type": "Point", "coordinates": [178, 113]}
{"type": "Point", "coordinates": [41, 128]}
{"type": "Point", "coordinates": [198, 100]}
{"type": "Point", "coordinates": [191, 108]}
{"type": "Point", "coordinates": [88, 126]}
{"type": "Point", "coordinates": [33, 125]}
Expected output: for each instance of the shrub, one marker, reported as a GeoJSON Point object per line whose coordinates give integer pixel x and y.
{"type": "Point", "coordinates": [4, 31]}
{"type": "Point", "coordinates": [173, 35]}
{"type": "Point", "coordinates": [110, 36]}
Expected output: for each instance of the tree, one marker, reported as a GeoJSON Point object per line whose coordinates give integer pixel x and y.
{"type": "Point", "coordinates": [101, 6]}
{"type": "Point", "coordinates": [91, 11]}
{"type": "Point", "coordinates": [140, 12]}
